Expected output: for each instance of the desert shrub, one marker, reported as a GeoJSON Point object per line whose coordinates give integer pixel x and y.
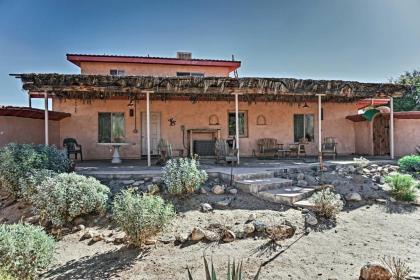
{"type": "Point", "coordinates": [17, 160]}
{"type": "Point", "coordinates": [234, 271]}
{"type": "Point", "coordinates": [183, 176]}
{"type": "Point", "coordinates": [410, 163]}
{"type": "Point", "coordinates": [24, 250]}
{"type": "Point", "coordinates": [399, 269]}
{"type": "Point", "coordinates": [34, 178]}
{"type": "Point", "coordinates": [4, 275]}
{"type": "Point", "coordinates": [403, 186]}
{"type": "Point", "coordinates": [62, 198]}
{"type": "Point", "coordinates": [326, 203]}
{"type": "Point", "coordinates": [361, 162]}
{"type": "Point", "coordinates": [141, 217]}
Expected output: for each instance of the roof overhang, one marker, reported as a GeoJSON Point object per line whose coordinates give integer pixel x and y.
{"type": "Point", "coordinates": [77, 59]}
{"type": "Point", "coordinates": [31, 113]}
{"type": "Point", "coordinates": [407, 115]}
{"type": "Point", "coordinates": [206, 88]}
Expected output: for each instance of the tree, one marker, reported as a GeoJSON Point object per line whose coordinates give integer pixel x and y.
{"type": "Point", "coordinates": [411, 100]}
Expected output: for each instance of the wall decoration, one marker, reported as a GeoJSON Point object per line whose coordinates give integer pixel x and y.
{"type": "Point", "coordinates": [213, 120]}
{"type": "Point", "coordinates": [261, 120]}
{"type": "Point", "coordinates": [172, 122]}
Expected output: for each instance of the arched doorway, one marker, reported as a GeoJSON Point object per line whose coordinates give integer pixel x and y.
{"type": "Point", "coordinates": [380, 135]}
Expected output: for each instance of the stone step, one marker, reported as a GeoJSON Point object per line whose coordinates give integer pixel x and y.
{"type": "Point", "coordinates": [239, 176]}
{"type": "Point", "coordinates": [304, 203]}
{"type": "Point", "coordinates": [286, 195]}
{"type": "Point", "coordinates": [258, 185]}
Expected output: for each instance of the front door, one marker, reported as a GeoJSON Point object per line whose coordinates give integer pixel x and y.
{"type": "Point", "coordinates": [380, 136]}
{"type": "Point", "coordinates": [154, 133]}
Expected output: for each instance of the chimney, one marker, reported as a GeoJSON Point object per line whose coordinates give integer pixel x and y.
{"type": "Point", "coordinates": [183, 55]}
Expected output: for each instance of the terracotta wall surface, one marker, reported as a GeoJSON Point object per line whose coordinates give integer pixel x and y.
{"type": "Point", "coordinates": [26, 131]}
{"type": "Point", "coordinates": [407, 136]}
{"type": "Point", "coordinates": [364, 144]}
{"type": "Point", "coordinates": [159, 70]}
{"type": "Point", "coordinates": [83, 124]}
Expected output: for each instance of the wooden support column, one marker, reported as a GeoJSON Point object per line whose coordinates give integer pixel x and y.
{"type": "Point", "coordinates": [237, 123]}
{"type": "Point", "coordinates": [391, 127]}
{"type": "Point", "coordinates": [149, 159]}
{"type": "Point", "coordinates": [320, 129]}
{"type": "Point", "coordinates": [46, 117]}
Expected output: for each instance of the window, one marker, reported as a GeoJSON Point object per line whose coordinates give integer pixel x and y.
{"type": "Point", "coordinates": [188, 74]}
{"type": "Point", "coordinates": [243, 124]}
{"type": "Point", "coordinates": [111, 127]}
{"type": "Point", "coordinates": [116, 72]}
{"type": "Point", "coordinates": [303, 127]}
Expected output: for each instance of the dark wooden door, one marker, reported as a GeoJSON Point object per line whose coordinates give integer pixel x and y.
{"type": "Point", "coordinates": [380, 136]}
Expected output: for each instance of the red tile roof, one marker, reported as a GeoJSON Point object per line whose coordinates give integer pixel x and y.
{"type": "Point", "coordinates": [31, 113]}
{"type": "Point", "coordinates": [78, 58]}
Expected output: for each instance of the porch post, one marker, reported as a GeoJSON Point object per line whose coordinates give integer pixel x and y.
{"type": "Point", "coordinates": [319, 125]}
{"type": "Point", "coordinates": [237, 123]}
{"type": "Point", "coordinates": [46, 117]}
{"type": "Point", "coordinates": [149, 161]}
{"type": "Point", "coordinates": [391, 127]}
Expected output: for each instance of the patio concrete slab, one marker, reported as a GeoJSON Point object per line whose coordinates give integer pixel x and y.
{"type": "Point", "coordinates": [262, 184]}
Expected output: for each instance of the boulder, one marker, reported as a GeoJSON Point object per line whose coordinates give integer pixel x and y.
{"type": "Point", "coordinates": [150, 242]}
{"type": "Point", "coordinates": [138, 183]}
{"type": "Point", "coordinates": [260, 226]}
{"type": "Point", "coordinates": [181, 237]}
{"type": "Point", "coordinates": [229, 236]}
{"type": "Point", "coordinates": [353, 196]}
{"type": "Point", "coordinates": [167, 238]}
{"type": "Point", "coordinates": [120, 238]}
{"type": "Point", "coordinates": [351, 169]}
{"type": "Point", "coordinates": [302, 183]}
{"type": "Point", "coordinates": [374, 271]}
{"type": "Point", "coordinates": [197, 234]}
{"type": "Point", "coordinates": [97, 237]}
{"type": "Point", "coordinates": [280, 232]}
{"type": "Point", "coordinates": [88, 234]}
{"type": "Point", "coordinates": [128, 182]}
{"type": "Point", "coordinates": [233, 191]}
{"type": "Point", "coordinates": [205, 207]}
{"type": "Point", "coordinates": [311, 219]}
{"type": "Point", "coordinates": [32, 220]}
{"type": "Point", "coordinates": [218, 189]}
{"type": "Point", "coordinates": [203, 190]}
{"type": "Point", "coordinates": [211, 236]}
{"type": "Point", "coordinates": [249, 228]}
{"type": "Point", "coordinates": [223, 203]}
{"type": "Point", "coordinates": [251, 217]}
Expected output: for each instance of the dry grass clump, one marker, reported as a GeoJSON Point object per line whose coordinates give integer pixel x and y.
{"type": "Point", "coordinates": [398, 268]}
{"type": "Point", "coordinates": [327, 204]}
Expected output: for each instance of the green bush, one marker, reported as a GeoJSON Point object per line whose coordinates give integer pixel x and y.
{"type": "Point", "coordinates": [141, 217]}
{"type": "Point", "coordinates": [410, 163]}
{"type": "Point", "coordinates": [326, 203]}
{"type": "Point", "coordinates": [24, 250]}
{"type": "Point", "coordinates": [403, 186]}
{"type": "Point", "coordinates": [183, 176]}
{"type": "Point", "coordinates": [17, 160]}
{"type": "Point", "coordinates": [6, 275]}
{"type": "Point", "coordinates": [34, 178]}
{"type": "Point", "coordinates": [66, 196]}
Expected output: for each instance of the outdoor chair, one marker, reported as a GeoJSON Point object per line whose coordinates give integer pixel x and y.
{"type": "Point", "coordinates": [298, 149]}
{"type": "Point", "coordinates": [73, 148]}
{"type": "Point", "coordinates": [224, 153]}
{"type": "Point", "coordinates": [418, 149]}
{"type": "Point", "coordinates": [329, 147]}
{"type": "Point", "coordinates": [164, 150]}
{"type": "Point", "coordinates": [268, 146]}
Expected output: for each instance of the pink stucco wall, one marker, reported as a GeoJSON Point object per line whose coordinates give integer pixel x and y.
{"type": "Point", "coordinates": [83, 124]}
{"type": "Point", "coordinates": [27, 131]}
{"type": "Point", "coordinates": [407, 136]}
{"type": "Point", "coordinates": [161, 70]}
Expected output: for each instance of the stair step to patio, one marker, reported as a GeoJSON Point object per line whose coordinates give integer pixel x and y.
{"type": "Point", "coordinates": [304, 203]}
{"type": "Point", "coordinates": [262, 184]}
{"type": "Point", "coordinates": [226, 176]}
{"type": "Point", "coordinates": [286, 195]}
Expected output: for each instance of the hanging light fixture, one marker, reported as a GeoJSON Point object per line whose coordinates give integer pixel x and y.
{"type": "Point", "coordinates": [305, 105]}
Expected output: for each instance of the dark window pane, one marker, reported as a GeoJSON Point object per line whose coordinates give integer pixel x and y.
{"type": "Point", "coordinates": [104, 128]}
{"type": "Point", "coordinates": [242, 124]}
{"type": "Point", "coordinates": [298, 127]}
{"type": "Point", "coordinates": [118, 127]}
{"type": "Point", "coordinates": [183, 74]}
{"type": "Point", "coordinates": [309, 127]}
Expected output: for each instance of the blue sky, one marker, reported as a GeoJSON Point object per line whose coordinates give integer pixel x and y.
{"type": "Point", "coordinates": [365, 40]}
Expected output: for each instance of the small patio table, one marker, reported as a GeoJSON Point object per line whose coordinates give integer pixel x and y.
{"type": "Point", "coordinates": [116, 159]}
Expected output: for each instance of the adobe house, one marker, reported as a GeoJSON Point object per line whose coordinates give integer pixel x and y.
{"type": "Point", "coordinates": [137, 100]}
